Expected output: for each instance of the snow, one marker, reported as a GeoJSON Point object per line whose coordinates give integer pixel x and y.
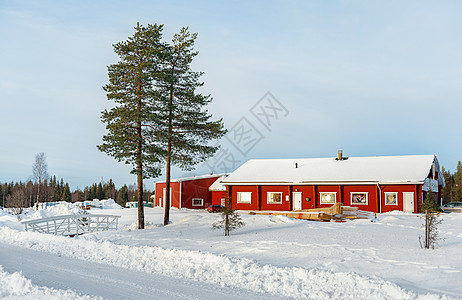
{"type": "Point", "coordinates": [62, 208]}
{"type": "Point", "coordinates": [17, 286]}
{"type": "Point", "coordinates": [109, 204]}
{"type": "Point", "coordinates": [378, 169]}
{"type": "Point", "coordinates": [273, 256]}
{"type": "Point", "coordinates": [217, 185]}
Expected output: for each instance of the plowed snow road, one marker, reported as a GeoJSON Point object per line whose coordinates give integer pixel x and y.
{"type": "Point", "coordinates": [110, 282]}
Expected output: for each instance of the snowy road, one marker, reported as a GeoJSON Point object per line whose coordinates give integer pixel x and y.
{"type": "Point", "coordinates": [107, 281]}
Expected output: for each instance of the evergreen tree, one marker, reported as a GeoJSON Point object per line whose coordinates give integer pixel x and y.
{"type": "Point", "coordinates": [457, 188]}
{"type": "Point", "coordinates": [230, 219]}
{"type": "Point", "coordinates": [186, 127]}
{"type": "Point", "coordinates": [122, 196]}
{"type": "Point", "coordinates": [131, 123]}
{"type": "Point", "coordinates": [99, 192]}
{"type": "Point", "coordinates": [431, 221]}
{"type": "Point", "coordinates": [449, 183]}
{"type": "Point", "coordinates": [66, 194]}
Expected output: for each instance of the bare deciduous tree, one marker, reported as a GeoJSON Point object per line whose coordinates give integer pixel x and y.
{"type": "Point", "coordinates": [39, 172]}
{"type": "Point", "coordinates": [17, 201]}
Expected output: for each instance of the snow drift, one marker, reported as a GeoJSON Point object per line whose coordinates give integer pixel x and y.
{"type": "Point", "coordinates": [219, 269]}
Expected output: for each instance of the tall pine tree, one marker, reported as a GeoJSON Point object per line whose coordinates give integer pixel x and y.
{"type": "Point", "coordinates": [131, 123]}
{"type": "Point", "coordinates": [186, 126]}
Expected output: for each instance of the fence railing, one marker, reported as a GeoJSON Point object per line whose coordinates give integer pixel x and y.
{"type": "Point", "coordinates": [73, 224]}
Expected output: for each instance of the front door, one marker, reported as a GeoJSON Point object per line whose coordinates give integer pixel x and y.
{"type": "Point", "coordinates": [408, 202]}
{"type": "Point", "coordinates": [297, 200]}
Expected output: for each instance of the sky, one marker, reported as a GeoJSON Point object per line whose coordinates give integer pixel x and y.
{"type": "Point", "coordinates": [291, 79]}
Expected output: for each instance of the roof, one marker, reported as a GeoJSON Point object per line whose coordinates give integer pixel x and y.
{"type": "Point", "coordinates": [193, 178]}
{"type": "Point", "coordinates": [377, 169]}
{"type": "Point", "coordinates": [217, 185]}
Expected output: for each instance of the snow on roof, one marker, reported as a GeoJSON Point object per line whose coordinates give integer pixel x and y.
{"type": "Point", "coordinates": [194, 177]}
{"type": "Point", "coordinates": [217, 185]}
{"type": "Point", "coordinates": [383, 169]}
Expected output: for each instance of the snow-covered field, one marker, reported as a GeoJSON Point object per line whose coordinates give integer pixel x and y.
{"type": "Point", "coordinates": [271, 257]}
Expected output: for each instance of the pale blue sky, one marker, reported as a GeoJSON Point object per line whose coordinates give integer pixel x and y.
{"type": "Point", "coordinates": [368, 77]}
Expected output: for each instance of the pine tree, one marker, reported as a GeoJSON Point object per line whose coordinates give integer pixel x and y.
{"type": "Point", "coordinates": [431, 221]}
{"type": "Point", "coordinates": [230, 219]}
{"type": "Point", "coordinates": [186, 127]}
{"type": "Point", "coordinates": [131, 122]}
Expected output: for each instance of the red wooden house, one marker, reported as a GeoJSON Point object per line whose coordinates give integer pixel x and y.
{"type": "Point", "coordinates": [377, 184]}
{"type": "Point", "coordinates": [190, 192]}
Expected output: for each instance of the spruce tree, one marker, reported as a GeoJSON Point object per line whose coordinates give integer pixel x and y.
{"type": "Point", "coordinates": [186, 127]}
{"type": "Point", "coordinates": [131, 123]}
{"type": "Point", "coordinates": [230, 219]}
{"type": "Point", "coordinates": [66, 195]}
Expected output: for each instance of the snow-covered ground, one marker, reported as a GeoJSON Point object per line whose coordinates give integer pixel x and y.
{"type": "Point", "coordinates": [271, 257]}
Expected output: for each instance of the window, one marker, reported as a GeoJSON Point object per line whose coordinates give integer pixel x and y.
{"type": "Point", "coordinates": [391, 198]}
{"type": "Point", "coordinates": [274, 198]}
{"type": "Point", "coordinates": [359, 198]}
{"type": "Point", "coordinates": [328, 198]}
{"type": "Point", "coordinates": [244, 197]}
{"type": "Point", "coordinates": [223, 201]}
{"type": "Point", "coordinates": [197, 202]}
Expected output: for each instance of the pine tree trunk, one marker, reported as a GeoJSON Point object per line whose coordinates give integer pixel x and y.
{"type": "Point", "coordinates": [139, 166]}
{"type": "Point", "coordinates": [168, 162]}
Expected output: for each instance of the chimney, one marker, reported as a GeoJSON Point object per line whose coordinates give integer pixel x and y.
{"type": "Point", "coordinates": [296, 165]}
{"type": "Point", "coordinates": [339, 155]}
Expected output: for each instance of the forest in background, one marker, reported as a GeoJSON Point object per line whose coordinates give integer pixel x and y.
{"type": "Point", "coordinates": [24, 194]}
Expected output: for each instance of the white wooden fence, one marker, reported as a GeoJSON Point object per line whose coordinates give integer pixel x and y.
{"type": "Point", "coordinates": [73, 224]}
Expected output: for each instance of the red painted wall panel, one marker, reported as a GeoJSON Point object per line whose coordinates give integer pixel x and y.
{"type": "Point", "coordinates": [244, 206]}
{"type": "Point", "coordinates": [372, 201]}
{"type": "Point", "coordinates": [399, 189]}
{"type": "Point", "coordinates": [286, 199]}
{"type": "Point", "coordinates": [198, 188]}
{"type": "Point", "coordinates": [307, 192]}
{"type": "Point", "coordinates": [175, 196]}
{"type": "Point", "coordinates": [217, 196]}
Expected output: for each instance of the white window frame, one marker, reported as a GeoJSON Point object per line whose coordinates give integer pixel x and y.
{"type": "Point", "coordinates": [330, 202]}
{"type": "Point", "coordinates": [201, 199]}
{"type": "Point", "coordinates": [223, 202]}
{"type": "Point", "coordinates": [367, 198]}
{"type": "Point", "coordinates": [241, 194]}
{"type": "Point", "coordinates": [386, 196]}
{"type": "Point", "coordinates": [268, 198]}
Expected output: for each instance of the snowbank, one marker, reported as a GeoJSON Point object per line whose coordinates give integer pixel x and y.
{"type": "Point", "coordinates": [63, 208]}
{"type": "Point", "coordinates": [219, 269]}
{"type": "Point", "coordinates": [110, 204]}
{"type": "Point", "coordinates": [15, 285]}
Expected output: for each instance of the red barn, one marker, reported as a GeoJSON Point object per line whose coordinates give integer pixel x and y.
{"type": "Point", "coordinates": [191, 192]}
{"type": "Point", "coordinates": [376, 184]}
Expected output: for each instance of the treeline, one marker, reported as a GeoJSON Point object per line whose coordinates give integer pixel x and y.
{"type": "Point", "coordinates": [452, 192]}
{"type": "Point", "coordinates": [24, 194]}
{"type": "Point", "coordinates": [108, 190]}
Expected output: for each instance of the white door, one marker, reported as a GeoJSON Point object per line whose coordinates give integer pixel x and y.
{"type": "Point", "coordinates": [297, 200]}
{"type": "Point", "coordinates": [408, 202]}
